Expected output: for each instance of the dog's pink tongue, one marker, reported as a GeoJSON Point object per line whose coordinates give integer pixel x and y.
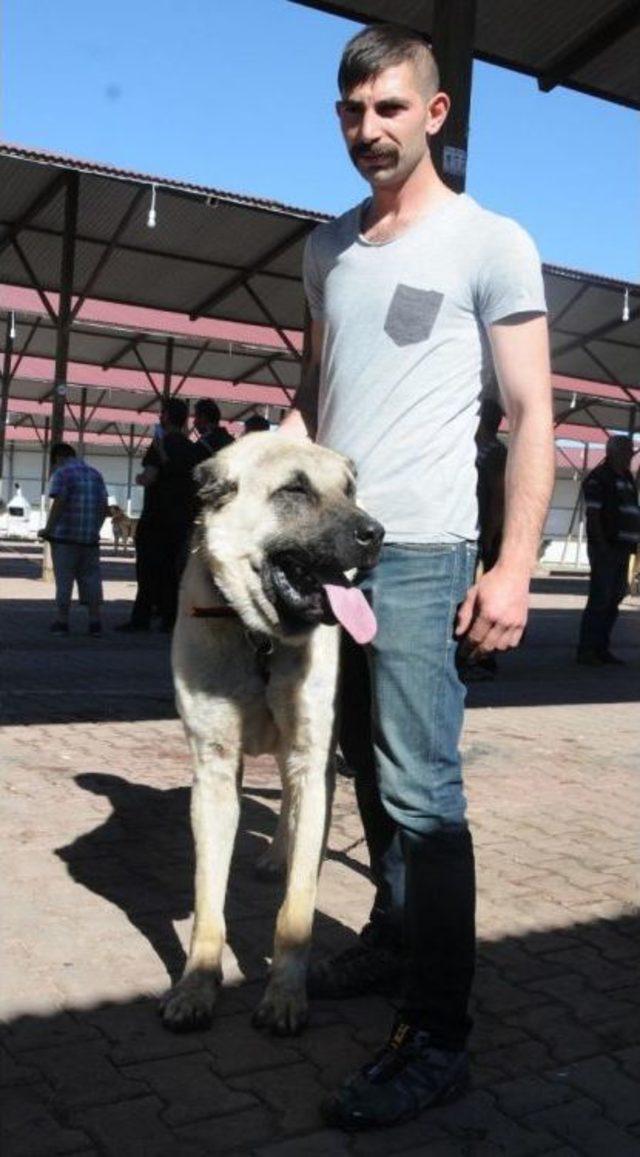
{"type": "Point", "coordinates": [352, 610]}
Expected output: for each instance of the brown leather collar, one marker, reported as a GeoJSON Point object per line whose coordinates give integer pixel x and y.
{"type": "Point", "coordinates": [221, 612]}
{"type": "Point", "coordinates": [261, 645]}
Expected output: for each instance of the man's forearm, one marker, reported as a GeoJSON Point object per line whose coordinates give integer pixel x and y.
{"type": "Point", "coordinates": [528, 487]}
{"type": "Point", "coordinates": [54, 514]}
{"type": "Point", "coordinates": [302, 419]}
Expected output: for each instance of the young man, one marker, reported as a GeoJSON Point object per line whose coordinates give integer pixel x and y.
{"type": "Point", "coordinates": [613, 531]}
{"type": "Point", "coordinates": [73, 525]}
{"type": "Point", "coordinates": [403, 292]}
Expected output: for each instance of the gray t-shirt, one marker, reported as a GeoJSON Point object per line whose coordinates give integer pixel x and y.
{"type": "Point", "coordinates": [405, 355]}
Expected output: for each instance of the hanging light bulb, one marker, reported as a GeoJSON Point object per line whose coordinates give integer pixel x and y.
{"type": "Point", "coordinates": [625, 305]}
{"type": "Point", "coordinates": [12, 326]}
{"type": "Point", "coordinates": [152, 217]}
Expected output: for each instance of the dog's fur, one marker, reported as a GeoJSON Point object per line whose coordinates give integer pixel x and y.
{"type": "Point", "coordinates": [264, 499]}
{"type": "Point", "coordinates": [123, 527]}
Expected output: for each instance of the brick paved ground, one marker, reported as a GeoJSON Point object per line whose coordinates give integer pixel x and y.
{"type": "Point", "coordinates": [96, 880]}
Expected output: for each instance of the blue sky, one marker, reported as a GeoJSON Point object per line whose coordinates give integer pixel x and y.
{"type": "Point", "coordinates": [238, 94]}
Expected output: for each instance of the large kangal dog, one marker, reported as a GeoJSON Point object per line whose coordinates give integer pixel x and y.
{"type": "Point", "coordinates": [255, 656]}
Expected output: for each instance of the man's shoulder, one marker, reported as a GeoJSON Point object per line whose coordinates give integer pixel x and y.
{"type": "Point", "coordinates": [492, 228]}
{"type": "Point", "coordinates": [329, 235]}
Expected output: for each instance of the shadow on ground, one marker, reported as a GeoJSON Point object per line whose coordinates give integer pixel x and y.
{"type": "Point", "coordinates": [555, 1055]}
{"type": "Point", "coordinates": [141, 860]}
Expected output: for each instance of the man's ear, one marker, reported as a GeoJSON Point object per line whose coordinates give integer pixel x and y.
{"type": "Point", "coordinates": [215, 488]}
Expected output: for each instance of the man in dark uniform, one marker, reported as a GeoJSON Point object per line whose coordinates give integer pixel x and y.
{"type": "Point", "coordinates": [613, 530]}
{"type": "Point", "coordinates": [162, 535]}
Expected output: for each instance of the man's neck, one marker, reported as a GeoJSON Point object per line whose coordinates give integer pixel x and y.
{"type": "Point", "coordinates": [400, 206]}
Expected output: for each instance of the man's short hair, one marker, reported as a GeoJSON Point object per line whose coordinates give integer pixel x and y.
{"type": "Point", "coordinates": [255, 424]}
{"type": "Point", "coordinates": [381, 46]}
{"type": "Point", "coordinates": [62, 450]}
{"type": "Point", "coordinates": [208, 409]}
{"type": "Point", "coordinates": [176, 411]}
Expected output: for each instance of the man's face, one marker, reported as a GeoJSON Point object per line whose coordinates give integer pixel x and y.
{"type": "Point", "coordinates": [384, 123]}
{"type": "Point", "coordinates": [620, 453]}
{"type": "Point", "coordinates": [200, 422]}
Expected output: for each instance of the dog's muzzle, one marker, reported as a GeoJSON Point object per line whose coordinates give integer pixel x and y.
{"type": "Point", "coordinates": [307, 581]}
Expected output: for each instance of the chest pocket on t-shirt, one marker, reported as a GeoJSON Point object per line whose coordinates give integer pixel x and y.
{"type": "Point", "coordinates": [412, 313]}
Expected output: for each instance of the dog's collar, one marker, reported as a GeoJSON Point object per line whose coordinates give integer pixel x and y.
{"type": "Point", "coordinates": [224, 611]}
{"type": "Point", "coordinates": [261, 645]}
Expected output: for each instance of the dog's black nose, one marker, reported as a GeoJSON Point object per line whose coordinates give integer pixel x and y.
{"type": "Point", "coordinates": [369, 533]}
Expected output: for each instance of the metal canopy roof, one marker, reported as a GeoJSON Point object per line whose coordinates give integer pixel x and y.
{"type": "Point", "coordinates": [219, 256]}
{"type": "Point", "coordinates": [198, 259]}
{"type": "Point", "coordinates": [592, 46]}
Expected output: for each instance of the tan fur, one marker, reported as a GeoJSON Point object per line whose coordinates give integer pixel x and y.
{"type": "Point", "coordinates": [227, 709]}
{"type": "Point", "coordinates": [123, 527]}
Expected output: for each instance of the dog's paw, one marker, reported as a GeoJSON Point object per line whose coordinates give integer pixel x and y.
{"type": "Point", "coordinates": [190, 1004]}
{"type": "Point", "coordinates": [282, 1011]}
{"type": "Point", "coordinates": [269, 868]}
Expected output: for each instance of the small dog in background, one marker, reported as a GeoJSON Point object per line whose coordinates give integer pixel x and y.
{"type": "Point", "coordinates": [123, 526]}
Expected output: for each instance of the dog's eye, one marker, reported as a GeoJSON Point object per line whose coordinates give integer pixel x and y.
{"type": "Point", "coordinates": [294, 488]}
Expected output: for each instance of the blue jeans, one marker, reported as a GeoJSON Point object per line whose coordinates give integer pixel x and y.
{"type": "Point", "coordinates": [76, 562]}
{"type": "Point", "coordinates": [401, 716]}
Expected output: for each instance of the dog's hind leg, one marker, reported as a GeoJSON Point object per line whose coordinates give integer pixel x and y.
{"type": "Point", "coordinates": [215, 809]}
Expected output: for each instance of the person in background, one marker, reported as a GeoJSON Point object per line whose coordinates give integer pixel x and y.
{"type": "Point", "coordinates": [491, 463]}
{"type": "Point", "coordinates": [211, 435]}
{"type": "Point", "coordinates": [256, 424]}
{"type": "Point", "coordinates": [78, 509]}
{"type": "Point", "coordinates": [613, 532]}
{"type": "Point", "coordinates": [162, 534]}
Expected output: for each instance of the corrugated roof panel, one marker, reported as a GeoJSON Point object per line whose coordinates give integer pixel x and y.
{"type": "Point", "coordinates": [526, 35]}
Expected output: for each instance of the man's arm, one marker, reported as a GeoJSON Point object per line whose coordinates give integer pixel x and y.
{"type": "Point", "coordinates": [594, 502]}
{"type": "Point", "coordinates": [494, 614]}
{"type": "Point", "coordinates": [55, 510]}
{"type": "Point", "coordinates": [302, 420]}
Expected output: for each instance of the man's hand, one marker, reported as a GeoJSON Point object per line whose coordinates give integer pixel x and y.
{"type": "Point", "coordinates": [494, 614]}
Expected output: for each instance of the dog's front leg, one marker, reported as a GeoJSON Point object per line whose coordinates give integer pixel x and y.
{"type": "Point", "coordinates": [284, 1008]}
{"type": "Point", "coordinates": [215, 808]}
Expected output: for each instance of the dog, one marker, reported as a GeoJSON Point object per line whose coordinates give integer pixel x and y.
{"type": "Point", "coordinates": [123, 526]}
{"type": "Point", "coordinates": [255, 661]}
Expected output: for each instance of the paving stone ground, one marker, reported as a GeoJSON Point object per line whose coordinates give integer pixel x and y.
{"type": "Point", "coordinates": [97, 895]}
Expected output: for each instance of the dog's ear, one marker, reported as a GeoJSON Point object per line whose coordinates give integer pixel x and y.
{"type": "Point", "coordinates": [215, 488]}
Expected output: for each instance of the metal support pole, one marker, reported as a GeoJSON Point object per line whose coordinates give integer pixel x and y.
{"type": "Point", "coordinates": [64, 309]}
{"type": "Point", "coordinates": [168, 370]}
{"type": "Point", "coordinates": [83, 420]}
{"type": "Point", "coordinates": [4, 398]}
{"type": "Point", "coordinates": [45, 469]}
{"type": "Point", "coordinates": [454, 23]}
{"type": "Point", "coordinates": [130, 468]}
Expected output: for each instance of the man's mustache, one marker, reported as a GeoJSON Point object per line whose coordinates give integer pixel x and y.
{"type": "Point", "coordinates": [361, 151]}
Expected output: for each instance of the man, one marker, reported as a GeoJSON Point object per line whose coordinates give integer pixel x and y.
{"type": "Point", "coordinates": [211, 436]}
{"type": "Point", "coordinates": [162, 534]}
{"type": "Point", "coordinates": [401, 290]}
{"type": "Point", "coordinates": [613, 531]}
{"type": "Point", "coordinates": [257, 424]}
{"type": "Point", "coordinates": [78, 509]}
{"type": "Point", "coordinates": [491, 463]}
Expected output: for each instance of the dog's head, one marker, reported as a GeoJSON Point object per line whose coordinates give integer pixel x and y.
{"type": "Point", "coordinates": [279, 527]}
